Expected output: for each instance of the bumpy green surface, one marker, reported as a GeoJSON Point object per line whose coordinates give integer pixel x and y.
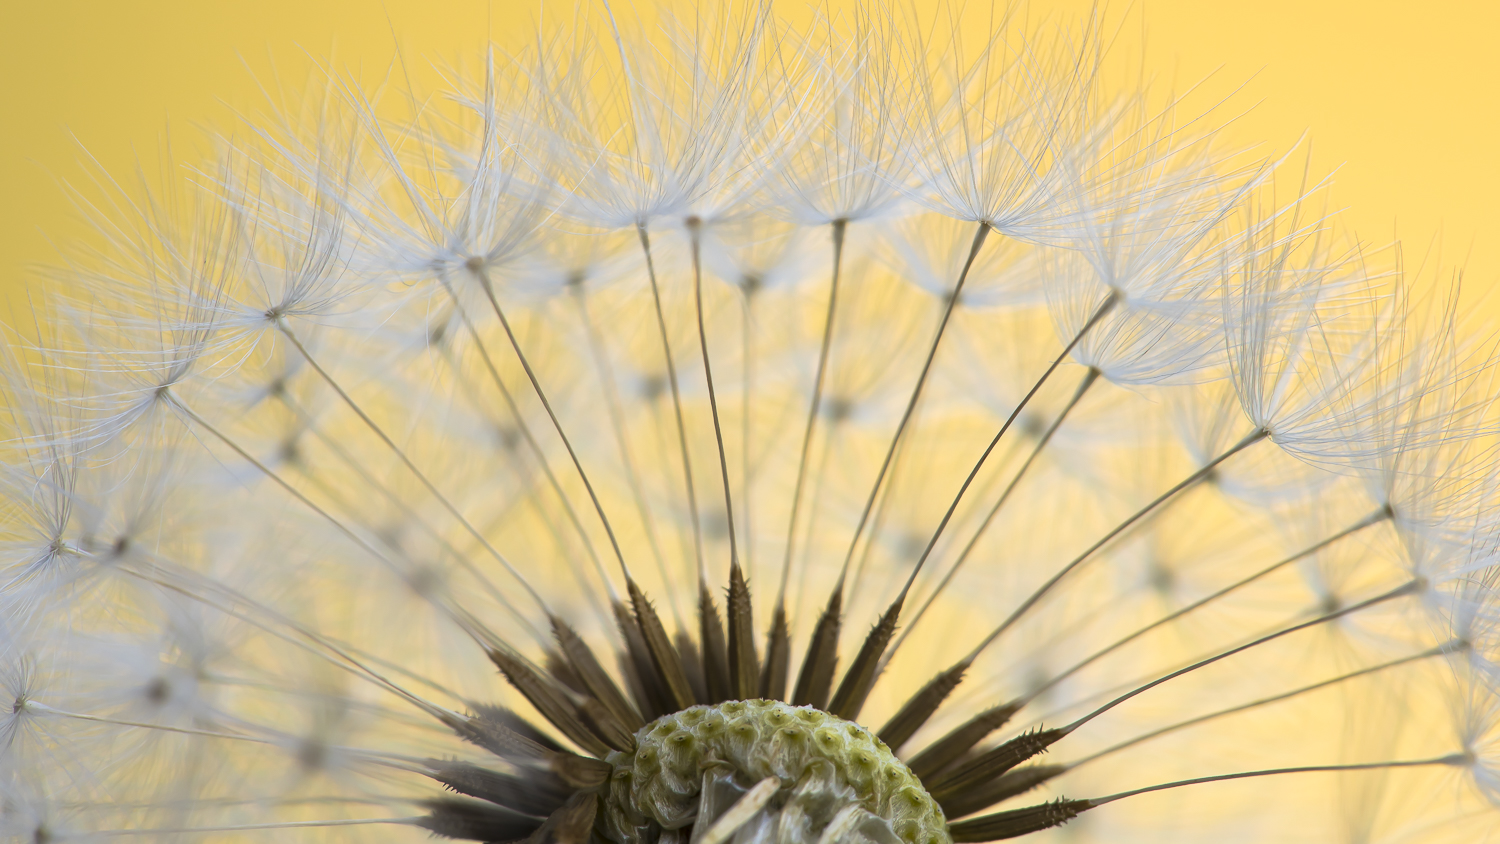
{"type": "Point", "coordinates": [823, 762]}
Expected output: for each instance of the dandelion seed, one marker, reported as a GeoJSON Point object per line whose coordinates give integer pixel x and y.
{"type": "Point", "coordinates": [735, 433]}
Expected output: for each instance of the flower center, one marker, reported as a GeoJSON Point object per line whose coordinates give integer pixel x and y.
{"type": "Point", "coordinates": [834, 780]}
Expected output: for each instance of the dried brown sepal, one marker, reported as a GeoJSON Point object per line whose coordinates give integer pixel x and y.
{"type": "Point", "coordinates": [574, 771]}
{"type": "Point", "coordinates": [536, 794]}
{"type": "Point", "coordinates": [633, 683]}
{"type": "Point", "coordinates": [572, 824]}
{"type": "Point", "coordinates": [592, 677]}
{"type": "Point", "coordinates": [692, 663]}
{"type": "Point", "coordinates": [645, 684]}
{"type": "Point", "coordinates": [502, 733]}
{"type": "Point", "coordinates": [664, 657]}
{"type": "Point", "coordinates": [475, 820]}
{"type": "Point", "coordinates": [778, 665]}
{"type": "Point", "coordinates": [1004, 787]}
{"type": "Point", "coordinates": [744, 666]}
{"type": "Point", "coordinates": [562, 672]}
{"type": "Point", "coordinates": [915, 712]}
{"type": "Point", "coordinates": [715, 649]}
{"type": "Point", "coordinates": [990, 764]}
{"type": "Point", "coordinates": [1018, 822]}
{"type": "Point", "coordinates": [943, 752]}
{"type": "Point", "coordinates": [860, 679]}
{"type": "Point", "coordinates": [581, 772]}
{"type": "Point", "coordinates": [548, 700]}
{"type": "Point", "coordinates": [603, 724]}
{"type": "Point", "coordinates": [815, 680]}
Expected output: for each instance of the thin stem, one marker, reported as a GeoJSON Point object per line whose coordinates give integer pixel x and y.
{"type": "Point", "coordinates": [536, 448]}
{"type": "Point", "coordinates": [1409, 588]}
{"type": "Point", "coordinates": [617, 425]}
{"type": "Point", "coordinates": [375, 799]}
{"type": "Point", "coordinates": [536, 386]}
{"type": "Point", "coordinates": [38, 706]}
{"type": "Point", "coordinates": [682, 443]}
{"type": "Point", "coordinates": [664, 446]}
{"type": "Point", "coordinates": [1088, 381]}
{"type": "Point", "coordinates": [819, 483]}
{"type": "Point", "coordinates": [536, 503]}
{"type": "Point", "coordinates": [1092, 698]}
{"type": "Point", "coordinates": [713, 400]}
{"type": "Point", "coordinates": [402, 763]}
{"type": "Point", "coordinates": [839, 227]}
{"type": "Point", "coordinates": [339, 451]}
{"type": "Point", "coordinates": [1451, 760]}
{"type": "Point", "coordinates": [406, 461]}
{"type": "Point", "coordinates": [281, 482]}
{"type": "Point", "coordinates": [395, 668]}
{"type": "Point", "coordinates": [981, 232]}
{"type": "Point", "coordinates": [877, 528]}
{"type": "Point", "coordinates": [1445, 648]}
{"type": "Point", "coordinates": [1251, 439]}
{"type": "Point", "coordinates": [1373, 519]}
{"type": "Point", "coordinates": [364, 475]}
{"type": "Point", "coordinates": [189, 830]}
{"type": "Point", "coordinates": [747, 373]}
{"type": "Point", "coordinates": [350, 663]}
{"type": "Point", "coordinates": [1099, 314]}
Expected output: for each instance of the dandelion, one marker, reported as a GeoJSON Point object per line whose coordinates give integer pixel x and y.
{"type": "Point", "coordinates": [729, 432]}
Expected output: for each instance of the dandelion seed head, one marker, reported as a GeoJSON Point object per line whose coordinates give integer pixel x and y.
{"type": "Point", "coordinates": [716, 430]}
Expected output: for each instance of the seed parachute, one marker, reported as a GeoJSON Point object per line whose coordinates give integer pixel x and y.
{"type": "Point", "coordinates": [712, 429]}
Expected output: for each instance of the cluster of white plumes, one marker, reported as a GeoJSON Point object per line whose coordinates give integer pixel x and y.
{"type": "Point", "coordinates": [1110, 429]}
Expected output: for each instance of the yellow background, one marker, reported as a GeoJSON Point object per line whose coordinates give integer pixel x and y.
{"type": "Point", "coordinates": [1403, 98]}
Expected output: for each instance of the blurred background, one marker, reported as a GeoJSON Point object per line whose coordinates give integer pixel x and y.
{"type": "Point", "coordinates": [1400, 103]}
